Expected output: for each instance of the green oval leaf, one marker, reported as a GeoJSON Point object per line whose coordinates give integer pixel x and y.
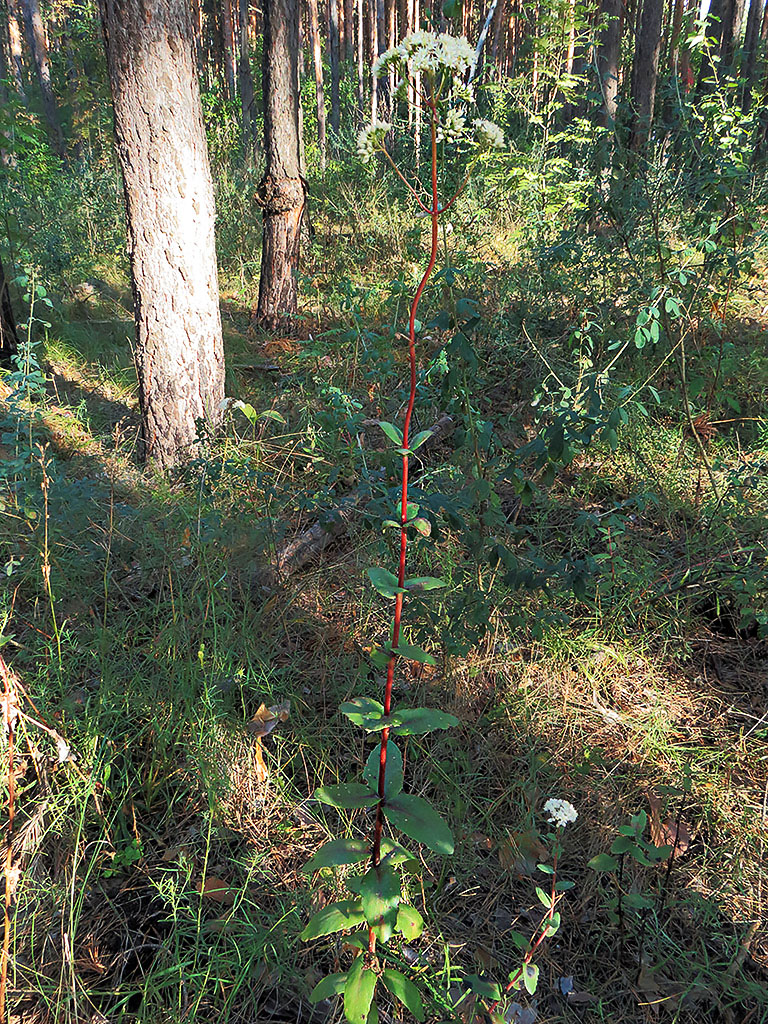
{"type": "Point", "coordinates": [393, 776]}
{"type": "Point", "coordinates": [603, 862]}
{"type": "Point", "coordinates": [530, 977]}
{"type": "Point", "coordinates": [348, 795]}
{"type": "Point", "coordinates": [393, 433]}
{"type": "Point", "coordinates": [336, 917]}
{"type": "Point", "coordinates": [384, 581]}
{"type": "Point", "coordinates": [420, 438]}
{"type": "Point", "coordinates": [409, 922]}
{"type": "Point", "coordinates": [404, 990]}
{"type": "Point", "coordinates": [362, 710]}
{"type": "Point", "coordinates": [553, 926]}
{"type": "Point", "coordinates": [358, 992]}
{"type": "Point", "coordinates": [544, 897]}
{"type": "Point", "coordinates": [380, 894]}
{"type": "Point", "coordinates": [414, 653]}
{"type": "Point", "coordinates": [338, 852]}
{"type": "Point", "coordinates": [418, 721]}
{"type": "Point", "coordinates": [424, 583]}
{"type": "Point", "coordinates": [419, 820]}
{"type": "Point", "coordinates": [330, 986]}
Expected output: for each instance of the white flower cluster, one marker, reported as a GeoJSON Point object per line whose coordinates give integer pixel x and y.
{"type": "Point", "coordinates": [428, 52]}
{"type": "Point", "coordinates": [371, 138]}
{"type": "Point", "coordinates": [452, 128]}
{"type": "Point", "coordinates": [560, 812]}
{"type": "Point", "coordinates": [488, 135]}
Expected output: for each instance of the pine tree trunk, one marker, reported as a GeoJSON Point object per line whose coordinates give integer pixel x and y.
{"type": "Point", "coordinates": [14, 48]}
{"type": "Point", "coordinates": [374, 51]}
{"type": "Point", "coordinates": [9, 340]}
{"type": "Point", "coordinates": [162, 149]}
{"type": "Point", "coordinates": [245, 79]}
{"type": "Point", "coordinates": [749, 54]}
{"type": "Point", "coordinates": [714, 26]}
{"type": "Point", "coordinates": [349, 31]}
{"type": "Point", "coordinates": [282, 193]}
{"type": "Point", "coordinates": [360, 62]}
{"type": "Point", "coordinates": [228, 47]}
{"type": "Point", "coordinates": [35, 33]}
{"type": "Point", "coordinates": [608, 55]}
{"type": "Point", "coordinates": [644, 73]}
{"type": "Point", "coordinates": [333, 40]}
{"type": "Point", "coordinates": [733, 14]}
{"type": "Point", "coordinates": [317, 60]}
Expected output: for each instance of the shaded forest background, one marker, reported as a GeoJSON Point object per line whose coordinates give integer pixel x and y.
{"type": "Point", "coordinates": [592, 355]}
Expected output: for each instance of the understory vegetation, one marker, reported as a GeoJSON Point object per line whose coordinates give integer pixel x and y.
{"type": "Point", "coordinates": [593, 348]}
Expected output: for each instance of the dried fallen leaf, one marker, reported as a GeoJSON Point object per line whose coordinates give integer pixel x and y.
{"type": "Point", "coordinates": [656, 992]}
{"type": "Point", "coordinates": [265, 719]}
{"type": "Point", "coordinates": [218, 890]}
{"type": "Point", "coordinates": [670, 832]}
{"type": "Point", "coordinates": [521, 852]}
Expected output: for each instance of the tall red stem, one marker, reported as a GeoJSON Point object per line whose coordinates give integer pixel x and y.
{"type": "Point", "coordinates": [434, 214]}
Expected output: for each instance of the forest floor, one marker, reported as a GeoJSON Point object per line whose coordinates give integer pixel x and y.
{"type": "Point", "coordinates": [161, 850]}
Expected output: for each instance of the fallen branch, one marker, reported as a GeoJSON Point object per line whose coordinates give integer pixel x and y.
{"type": "Point", "coordinates": [307, 545]}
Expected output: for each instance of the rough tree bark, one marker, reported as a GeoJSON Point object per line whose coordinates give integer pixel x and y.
{"type": "Point", "coordinates": [360, 61]}
{"type": "Point", "coordinates": [245, 78]}
{"type": "Point", "coordinates": [644, 73]}
{"type": "Point", "coordinates": [35, 33]}
{"type": "Point", "coordinates": [169, 200]}
{"type": "Point", "coordinates": [608, 55]}
{"type": "Point", "coordinates": [349, 31]}
{"type": "Point", "coordinates": [317, 59]}
{"type": "Point", "coordinates": [733, 15]}
{"type": "Point", "coordinates": [282, 193]}
{"type": "Point", "coordinates": [749, 54]}
{"type": "Point", "coordinates": [9, 339]}
{"type": "Point", "coordinates": [334, 50]}
{"type": "Point", "coordinates": [228, 47]}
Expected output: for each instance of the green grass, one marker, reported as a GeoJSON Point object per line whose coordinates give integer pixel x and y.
{"type": "Point", "coordinates": [161, 876]}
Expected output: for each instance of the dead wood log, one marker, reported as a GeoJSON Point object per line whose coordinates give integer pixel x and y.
{"type": "Point", "coordinates": [311, 542]}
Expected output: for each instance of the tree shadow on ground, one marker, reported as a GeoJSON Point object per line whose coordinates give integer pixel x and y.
{"type": "Point", "coordinates": [165, 873]}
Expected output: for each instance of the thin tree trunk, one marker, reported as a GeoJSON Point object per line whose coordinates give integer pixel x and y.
{"type": "Point", "coordinates": [608, 55]}
{"type": "Point", "coordinates": [333, 41]}
{"type": "Point", "coordinates": [360, 61]}
{"type": "Point", "coordinates": [714, 27]}
{"type": "Point", "coordinates": [282, 192]}
{"type": "Point", "coordinates": [381, 45]}
{"type": "Point", "coordinates": [317, 59]}
{"type": "Point", "coordinates": [749, 55]}
{"type": "Point", "coordinates": [245, 79]}
{"type": "Point", "coordinates": [644, 73]}
{"type": "Point", "coordinates": [9, 339]}
{"type": "Point", "coordinates": [74, 74]}
{"type": "Point", "coordinates": [733, 15]}
{"type": "Point", "coordinates": [481, 39]}
{"type": "Point", "coordinates": [162, 149]}
{"type": "Point", "coordinates": [35, 33]}
{"type": "Point", "coordinates": [14, 48]}
{"type": "Point", "coordinates": [674, 37]}
{"type": "Point", "coordinates": [349, 31]}
{"type": "Point", "coordinates": [228, 47]}
{"type": "Point", "coordinates": [374, 45]}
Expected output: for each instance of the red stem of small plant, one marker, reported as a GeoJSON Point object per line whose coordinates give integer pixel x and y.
{"type": "Point", "coordinates": [515, 978]}
{"type": "Point", "coordinates": [9, 727]}
{"type": "Point", "coordinates": [434, 214]}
